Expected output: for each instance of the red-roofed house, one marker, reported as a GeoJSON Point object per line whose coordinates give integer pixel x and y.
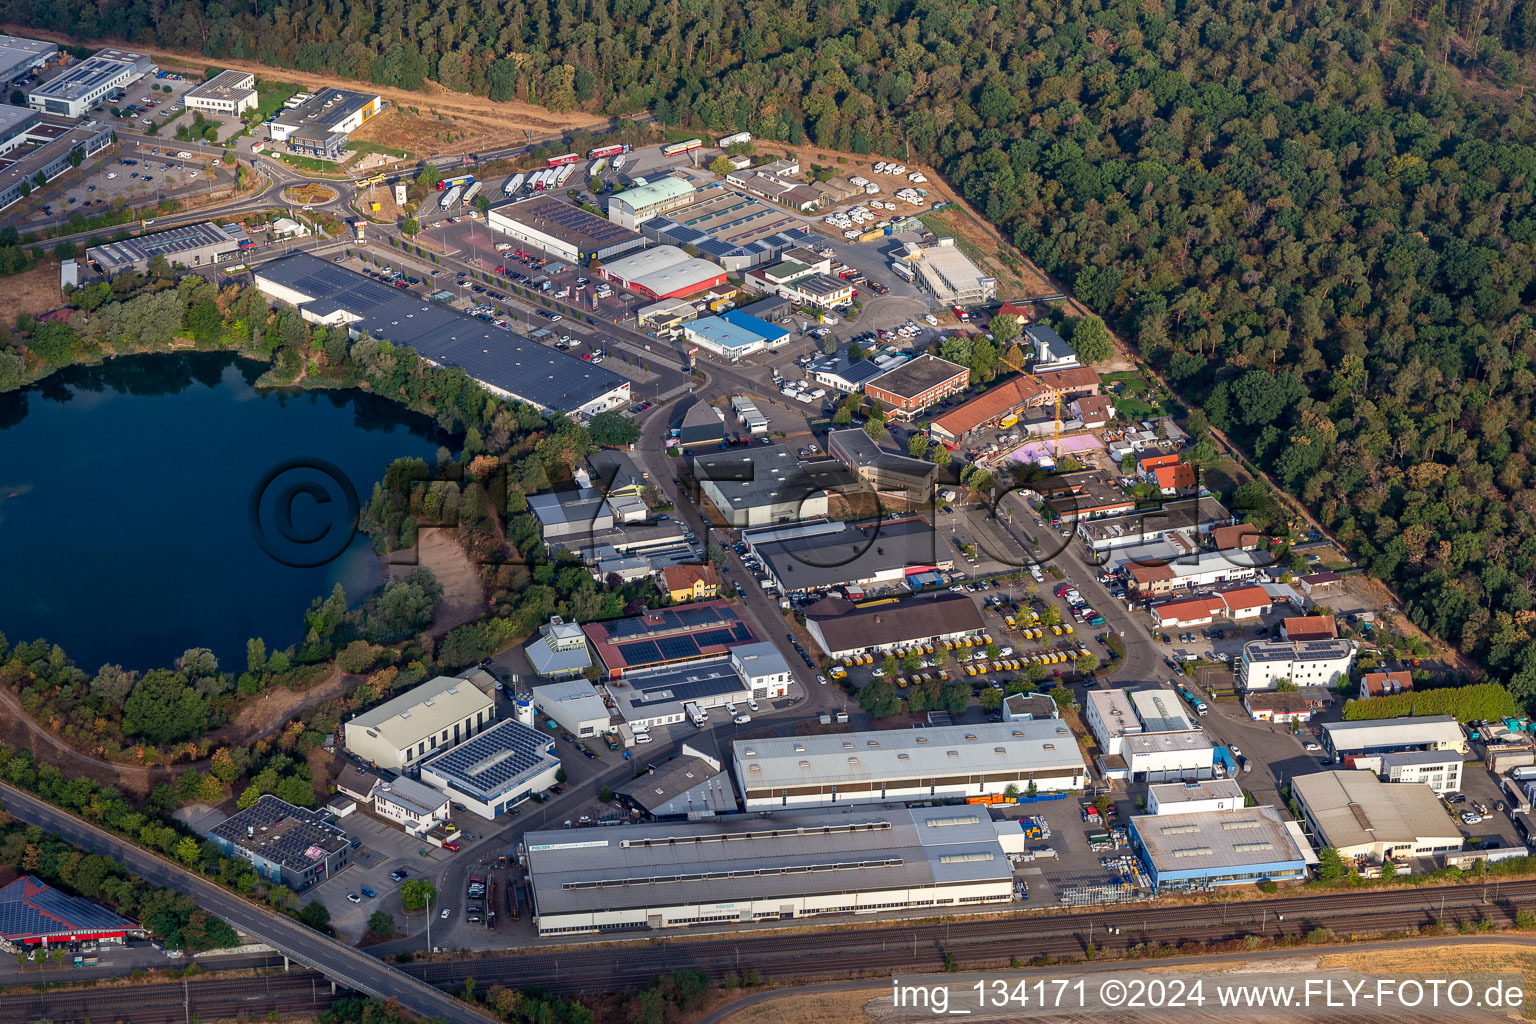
{"type": "Point", "coordinates": [1245, 602]}
{"type": "Point", "coordinates": [1094, 410]}
{"type": "Point", "coordinates": [1385, 684]}
{"type": "Point", "coordinates": [689, 582]}
{"type": "Point", "coordinates": [1187, 611]}
{"type": "Point", "coordinates": [1310, 627]}
{"type": "Point", "coordinates": [1274, 706]}
{"type": "Point", "coordinates": [33, 913]}
{"type": "Point", "coordinates": [1018, 313]}
{"type": "Point", "coordinates": [1242, 537]}
{"type": "Point", "coordinates": [1151, 580]}
{"type": "Point", "coordinates": [1176, 478]}
{"type": "Point", "coordinates": [1151, 462]}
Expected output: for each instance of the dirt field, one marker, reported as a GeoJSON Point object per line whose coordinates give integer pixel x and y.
{"type": "Point", "coordinates": [32, 293]}
{"type": "Point", "coordinates": [309, 193]}
{"type": "Point", "coordinates": [424, 132]}
{"type": "Point", "coordinates": [811, 1008]}
{"type": "Point", "coordinates": [463, 596]}
{"type": "Point", "coordinates": [384, 195]}
{"type": "Point", "coordinates": [1017, 280]}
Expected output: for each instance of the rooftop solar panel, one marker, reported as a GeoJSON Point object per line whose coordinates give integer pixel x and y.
{"type": "Point", "coordinates": [495, 760]}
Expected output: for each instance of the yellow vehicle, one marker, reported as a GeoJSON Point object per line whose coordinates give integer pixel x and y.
{"type": "Point", "coordinates": [944, 675]}
{"type": "Point", "coordinates": [928, 649]}
{"type": "Point", "coordinates": [927, 678]}
{"type": "Point", "coordinates": [1056, 630]}
{"type": "Point", "coordinates": [949, 645]}
{"type": "Point", "coordinates": [1067, 626]}
{"type": "Point", "coordinates": [970, 670]}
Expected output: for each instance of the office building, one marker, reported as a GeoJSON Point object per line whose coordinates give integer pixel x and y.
{"type": "Point", "coordinates": [561, 229]}
{"type": "Point", "coordinates": [414, 806]}
{"type": "Point", "coordinates": [881, 554]}
{"type": "Point", "coordinates": [667, 637]}
{"type": "Point", "coordinates": [908, 478]}
{"type": "Point", "coordinates": [1440, 770]}
{"type": "Point", "coordinates": [1051, 351]}
{"type": "Point", "coordinates": [657, 197]}
{"type": "Point", "coordinates": [81, 86]}
{"type": "Point", "coordinates": [763, 669]}
{"type": "Point", "coordinates": [46, 144]}
{"type": "Point", "coordinates": [33, 913]}
{"type": "Point", "coordinates": [777, 867]}
{"type": "Point", "coordinates": [20, 57]}
{"type": "Point", "coordinates": [841, 629]}
{"type": "Point", "coordinates": [951, 276]}
{"type": "Point", "coordinates": [1366, 819]}
{"type": "Point", "coordinates": [496, 770]}
{"type": "Point", "coordinates": [574, 705]}
{"type": "Point", "coordinates": [1208, 848]}
{"type": "Point", "coordinates": [230, 93]}
{"type": "Point", "coordinates": [289, 845]}
{"type": "Point", "coordinates": [664, 272]}
{"type": "Point", "coordinates": [1165, 746]}
{"type": "Point", "coordinates": [504, 363]}
{"type": "Point", "coordinates": [321, 126]}
{"type": "Point", "coordinates": [441, 712]}
{"type": "Point", "coordinates": [1265, 663]}
{"type": "Point", "coordinates": [691, 785]}
{"type": "Point", "coordinates": [763, 484]}
{"type": "Point", "coordinates": [191, 245]}
{"type": "Point", "coordinates": [915, 385]}
{"type": "Point", "coordinates": [1194, 797]}
{"type": "Point", "coordinates": [840, 374]}
{"type": "Point", "coordinates": [940, 763]}
{"type": "Point", "coordinates": [1384, 735]}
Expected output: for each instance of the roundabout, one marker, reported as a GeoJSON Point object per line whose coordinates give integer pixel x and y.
{"type": "Point", "coordinates": [310, 193]}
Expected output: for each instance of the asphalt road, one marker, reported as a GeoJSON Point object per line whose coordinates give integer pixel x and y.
{"type": "Point", "coordinates": [355, 969]}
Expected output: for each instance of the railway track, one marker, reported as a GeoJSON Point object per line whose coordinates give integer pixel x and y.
{"type": "Point", "coordinates": [171, 1002]}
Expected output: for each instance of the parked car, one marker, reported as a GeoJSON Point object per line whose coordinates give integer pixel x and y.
{"type": "Point", "coordinates": [445, 912]}
{"type": "Point", "coordinates": [353, 897]}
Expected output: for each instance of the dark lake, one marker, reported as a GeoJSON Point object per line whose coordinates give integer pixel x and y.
{"type": "Point", "coordinates": [126, 506]}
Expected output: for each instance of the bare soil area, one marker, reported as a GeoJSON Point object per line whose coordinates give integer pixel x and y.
{"type": "Point", "coordinates": [32, 293]}
{"type": "Point", "coordinates": [384, 195]}
{"type": "Point", "coordinates": [463, 596]}
{"type": "Point", "coordinates": [810, 1008]}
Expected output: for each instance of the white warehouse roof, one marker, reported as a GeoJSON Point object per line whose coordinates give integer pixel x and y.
{"type": "Point", "coordinates": [662, 270]}
{"type": "Point", "coordinates": [423, 710]}
{"type": "Point", "coordinates": [1436, 729]}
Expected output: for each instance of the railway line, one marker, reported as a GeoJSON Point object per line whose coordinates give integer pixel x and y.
{"type": "Point", "coordinates": [207, 999]}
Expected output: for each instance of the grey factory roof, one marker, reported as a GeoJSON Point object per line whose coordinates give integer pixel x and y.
{"type": "Point", "coordinates": [16, 53]}
{"type": "Point", "coordinates": [501, 359]}
{"type": "Point", "coordinates": [495, 761]}
{"type": "Point", "coordinates": [560, 507]}
{"type": "Point", "coordinates": [686, 783]}
{"type": "Point", "coordinates": [1160, 711]}
{"type": "Point", "coordinates": [862, 451]}
{"type": "Point", "coordinates": [576, 697]}
{"type": "Point", "coordinates": [565, 221]}
{"type": "Point", "coordinates": [1214, 840]}
{"type": "Point", "coordinates": [282, 833]}
{"type": "Point", "coordinates": [852, 554]}
{"type": "Point", "coordinates": [406, 792]}
{"type": "Point", "coordinates": [1169, 793]}
{"type": "Point", "coordinates": [763, 856]}
{"type": "Point", "coordinates": [777, 762]}
{"type": "Point", "coordinates": [1193, 740]}
{"type": "Point", "coordinates": [760, 659]}
{"type": "Point", "coordinates": [1404, 757]}
{"type": "Point", "coordinates": [661, 692]}
{"type": "Point", "coordinates": [1353, 808]}
{"type": "Point", "coordinates": [226, 85]}
{"type": "Point", "coordinates": [88, 74]}
{"type": "Point", "coordinates": [768, 475]}
{"type": "Point", "coordinates": [1172, 515]}
{"type": "Point", "coordinates": [916, 618]}
{"type": "Point", "coordinates": [325, 109]}
{"type": "Point", "coordinates": [423, 710]}
{"type": "Point", "coordinates": [1393, 732]}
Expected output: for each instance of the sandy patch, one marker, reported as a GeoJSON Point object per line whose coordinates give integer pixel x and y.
{"type": "Point", "coordinates": [463, 595]}
{"type": "Point", "coordinates": [32, 293]}
{"type": "Point", "coordinates": [810, 1008]}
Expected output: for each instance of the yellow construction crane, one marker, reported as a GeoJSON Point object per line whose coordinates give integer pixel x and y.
{"type": "Point", "coordinates": [1004, 358]}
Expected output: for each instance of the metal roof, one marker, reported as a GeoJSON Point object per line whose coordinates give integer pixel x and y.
{"type": "Point", "coordinates": [899, 754]}
{"type": "Point", "coordinates": [423, 710]}
{"type": "Point", "coordinates": [768, 475]}
{"type": "Point", "coordinates": [914, 619]}
{"type": "Point", "coordinates": [571, 224]}
{"type": "Point", "coordinates": [849, 553]}
{"type": "Point", "coordinates": [31, 909]}
{"type": "Point", "coordinates": [325, 109]}
{"type": "Point", "coordinates": [1216, 840]}
{"type": "Point", "coordinates": [657, 190]}
{"type": "Point", "coordinates": [786, 854]}
{"type": "Point", "coordinates": [663, 270]}
{"type": "Point", "coordinates": [1354, 808]}
{"type": "Point", "coordinates": [226, 85]}
{"type": "Point", "coordinates": [1160, 711]}
{"type": "Point", "coordinates": [1194, 740]}
{"type": "Point", "coordinates": [725, 334]}
{"type": "Point", "coordinates": [408, 793]}
{"type": "Point", "coordinates": [88, 74]}
{"type": "Point", "coordinates": [1190, 792]}
{"type": "Point", "coordinates": [496, 761]}
{"type": "Point", "coordinates": [1349, 736]}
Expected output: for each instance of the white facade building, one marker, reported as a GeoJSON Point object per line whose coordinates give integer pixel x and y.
{"type": "Point", "coordinates": [762, 668]}
{"type": "Point", "coordinates": [81, 87]}
{"type": "Point", "coordinates": [1362, 817]}
{"type": "Point", "coordinates": [229, 92]}
{"type": "Point", "coordinates": [439, 713]}
{"type": "Point", "coordinates": [1304, 662]}
{"type": "Point", "coordinates": [575, 705]}
{"type": "Point", "coordinates": [947, 762]}
{"type": "Point", "coordinates": [1380, 736]}
{"type": "Point", "coordinates": [416, 807]}
{"type": "Point", "coordinates": [1194, 797]}
{"type": "Point", "coordinates": [497, 770]}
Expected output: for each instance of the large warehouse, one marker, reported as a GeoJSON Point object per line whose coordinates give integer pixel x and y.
{"type": "Point", "coordinates": [1360, 816]}
{"type": "Point", "coordinates": [42, 144]}
{"type": "Point", "coordinates": [667, 636]}
{"type": "Point", "coordinates": [841, 629]}
{"type": "Point", "coordinates": [664, 272]}
{"type": "Point", "coordinates": [774, 867]}
{"type": "Point", "coordinates": [504, 363]}
{"type": "Point", "coordinates": [561, 229]}
{"type": "Point", "coordinates": [802, 557]}
{"type": "Point", "coordinates": [496, 770]}
{"type": "Point", "coordinates": [439, 713]}
{"type": "Point", "coordinates": [1385, 735]}
{"type": "Point", "coordinates": [1202, 849]}
{"type": "Point", "coordinates": [19, 56]}
{"type": "Point", "coordinates": [763, 484]}
{"type": "Point", "coordinates": [191, 245]}
{"type": "Point", "coordinates": [32, 914]}
{"type": "Point", "coordinates": [79, 88]}
{"type": "Point", "coordinates": [948, 762]}
{"type": "Point", "coordinates": [638, 204]}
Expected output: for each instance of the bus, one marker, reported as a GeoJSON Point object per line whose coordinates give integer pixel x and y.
{"type": "Point", "coordinates": [563, 159]}
{"type": "Point", "coordinates": [471, 192]}
{"type": "Point", "coordinates": [458, 181]}
{"type": "Point", "coordinates": [450, 198]}
{"type": "Point", "coordinates": [377, 179]}
{"type": "Point", "coordinates": [602, 151]}
{"type": "Point", "coordinates": [682, 147]}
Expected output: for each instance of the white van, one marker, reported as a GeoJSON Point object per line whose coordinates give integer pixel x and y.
{"type": "Point", "coordinates": [642, 737]}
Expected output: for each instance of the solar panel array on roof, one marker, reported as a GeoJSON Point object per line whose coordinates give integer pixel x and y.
{"type": "Point", "coordinates": [493, 761]}
{"type": "Point", "coordinates": [30, 909]}
{"type": "Point", "coordinates": [282, 833]}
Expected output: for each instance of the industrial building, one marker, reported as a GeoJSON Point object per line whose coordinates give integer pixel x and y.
{"type": "Point", "coordinates": [560, 651]}
{"type": "Point", "coordinates": [691, 785]}
{"type": "Point", "coordinates": [1440, 770]}
{"type": "Point", "coordinates": [667, 637]}
{"type": "Point", "coordinates": [703, 426]}
{"type": "Point", "coordinates": [938, 763]}
{"type": "Point", "coordinates": [1364, 818]}
{"type": "Point", "coordinates": [951, 276]}
{"type": "Point", "coordinates": [777, 867]}
{"type": "Point", "coordinates": [566, 514]}
{"type": "Point", "coordinates": [639, 203]}
{"type": "Point", "coordinates": [321, 125]}
{"type": "Point", "coordinates": [1208, 568]}
{"type": "Point", "coordinates": [33, 144]}
{"type": "Point", "coordinates": [915, 385]}
{"type": "Point", "coordinates": [574, 705]}
{"type": "Point", "coordinates": [1381, 736]}
{"type": "Point", "coordinates": [908, 478]}
{"type": "Point", "coordinates": [35, 914]}
{"type": "Point", "coordinates": [1203, 849]}
{"type": "Point", "coordinates": [886, 553]}
{"type": "Point", "coordinates": [416, 807]}
{"type": "Point", "coordinates": [667, 317]}
{"type": "Point", "coordinates": [504, 363]}
{"type": "Point", "coordinates": [191, 245]}
{"type": "Point", "coordinates": [738, 673]}
{"type": "Point", "coordinates": [734, 335]}
{"type": "Point", "coordinates": [1147, 736]}
{"type": "Point", "coordinates": [561, 229]}
{"type": "Point", "coordinates": [438, 713]}
{"type": "Point", "coordinates": [664, 272]}
{"type": "Point", "coordinates": [1194, 797]}
{"type": "Point", "coordinates": [81, 86]}
{"type": "Point", "coordinates": [497, 769]}
{"type": "Point", "coordinates": [763, 484]}
{"type": "Point", "coordinates": [1304, 662]}
{"type": "Point", "coordinates": [989, 409]}
{"type": "Point", "coordinates": [841, 374]}
{"type": "Point", "coordinates": [289, 845]}
{"type": "Point", "coordinates": [231, 93]}
{"type": "Point", "coordinates": [19, 57]}
{"type": "Point", "coordinates": [841, 629]}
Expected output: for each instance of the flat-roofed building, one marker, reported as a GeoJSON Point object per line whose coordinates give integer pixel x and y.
{"type": "Point", "coordinates": [762, 484]}
{"type": "Point", "coordinates": [911, 479]}
{"type": "Point", "coordinates": [575, 705]}
{"type": "Point", "coordinates": [666, 317]}
{"type": "Point", "coordinates": [1384, 735]}
{"type": "Point", "coordinates": [734, 335]}
{"type": "Point", "coordinates": [1159, 710]}
{"type": "Point", "coordinates": [416, 807]}
{"type": "Point", "coordinates": [497, 769]}
{"type": "Point", "coordinates": [190, 245]}
{"type": "Point", "coordinates": [654, 198]}
{"type": "Point", "coordinates": [1440, 770]}
{"type": "Point", "coordinates": [882, 554]}
{"type": "Point", "coordinates": [229, 92]}
{"type": "Point", "coordinates": [841, 629]}
{"type": "Point", "coordinates": [81, 86]}
{"type": "Point", "coordinates": [441, 712]}
{"type": "Point", "coordinates": [562, 229]}
{"type": "Point", "coordinates": [19, 57]}
{"type": "Point", "coordinates": [939, 763]}
{"type": "Point", "coordinates": [567, 514]}
{"type": "Point", "coordinates": [774, 867]}
{"type": "Point", "coordinates": [1304, 662]}
{"type": "Point", "coordinates": [1203, 849]}
{"type": "Point", "coordinates": [915, 385]}
{"type": "Point", "coordinates": [667, 637]}
{"type": "Point", "coordinates": [560, 652]}
{"type": "Point", "coordinates": [33, 144]}
{"type": "Point", "coordinates": [286, 844]}
{"type": "Point", "coordinates": [664, 272]}
{"type": "Point", "coordinates": [321, 126]}
{"type": "Point", "coordinates": [1194, 797]}
{"type": "Point", "coordinates": [951, 276]}
{"type": "Point", "coordinates": [691, 785]}
{"type": "Point", "coordinates": [1364, 818]}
